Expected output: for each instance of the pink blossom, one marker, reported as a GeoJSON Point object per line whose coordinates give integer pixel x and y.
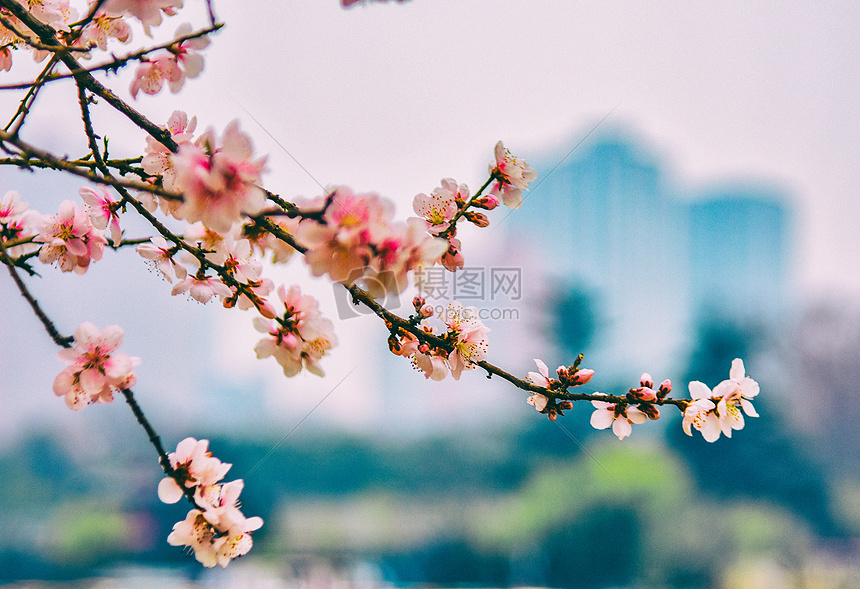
{"type": "Point", "coordinates": [441, 206]}
{"type": "Point", "coordinates": [219, 183]}
{"type": "Point", "coordinates": [103, 27]}
{"type": "Point", "coordinates": [701, 413]}
{"type": "Point", "coordinates": [202, 288]}
{"type": "Point", "coordinates": [95, 370]}
{"type": "Point", "coordinates": [718, 412]}
{"type": "Point", "coordinates": [620, 416]}
{"type": "Point", "coordinates": [147, 12]}
{"type": "Point", "coordinates": [194, 466]}
{"type": "Point", "coordinates": [434, 367]}
{"type": "Point", "coordinates": [512, 177]}
{"type": "Point", "coordinates": [70, 239]}
{"type": "Point", "coordinates": [734, 392]}
{"type": "Point", "coordinates": [160, 254]}
{"type": "Point", "coordinates": [16, 222]}
{"type": "Point", "coordinates": [351, 237]}
{"type": "Point", "coordinates": [264, 242]}
{"type": "Point", "coordinates": [452, 258]}
{"type": "Point", "coordinates": [180, 62]}
{"type": "Point", "coordinates": [405, 249]}
{"type": "Point", "coordinates": [344, 241]}
{"type": "Point", "coordinates": [235, 257]}
{"type": "Point", "coordinates": [300, 337]}
{"type": "Point", "coordinates": [540, 378]}
{"type": "Point", "coordinates": [470, 338]}
{"type": "Point", "coordinates": [157, 159]}
{"type": "Point", "coordinates": [210, 544]}
{"type": "Point", "coordinates": [102, 209]}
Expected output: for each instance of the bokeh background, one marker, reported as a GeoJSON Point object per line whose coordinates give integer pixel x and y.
{"type": "Point", "coordinates": [696, 202]}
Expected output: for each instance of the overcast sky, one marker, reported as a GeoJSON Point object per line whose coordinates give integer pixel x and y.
{"type": "Point", "coordinates": [392, 97]}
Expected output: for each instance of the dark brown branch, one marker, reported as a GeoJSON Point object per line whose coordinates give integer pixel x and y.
{"type": "Point", "coordinates": [48, 36]}
{"type": "Point", "coordinates": [60, 340]}
{"type": "Point", "coordinates": [51, 161]}
{"type": "Point", "coordinates": [116, 63]}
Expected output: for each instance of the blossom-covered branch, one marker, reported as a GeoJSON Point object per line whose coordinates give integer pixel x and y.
{"type": "Point", "coordinates": [210, 185]}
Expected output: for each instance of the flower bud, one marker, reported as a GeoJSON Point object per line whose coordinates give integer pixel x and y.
{"type": "Point", "coordinates": [487, 202]}
{"type": "Point", "coordinates": [642, 394]}
{"type": "Point", "coordinates": [553, 415]}
{"type": "Point", "coordinates": [665, 388]}
{"type": "Point", "coordinates": [646, 381]}
{"type": "Point", "coordinates": [265, 309]}
{"type": "Point", "coordinates": [563, 373]}
{"type": "Point", "coordinates": [393, 344]}
{"type": "Point", "coordinates": [565, 405]}
{"type": "Point", "coordinates": [418, 302]}
{"type": "Point", "coordinates": [581, 376]}
{"type": "Point", "coordinates": [426, 311]}
{"type": "Point", "coordinates": [479, 219]}
{"type": "Point", "coordinates": [423, 348]}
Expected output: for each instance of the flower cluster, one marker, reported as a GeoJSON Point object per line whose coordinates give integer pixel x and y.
{"type": "Point", "coordinates": [512, 177]}
{"type": "Point", "coordinates": [640, 405]}
{"type": "Point", "coordinates": [353, 238]}
{"type": "Point", "coordinates": [17, 224]}
{"type": "Point", "coordinates": [449, 202]}
{"type": "Point", "coordinates": [218, 181]}
{"type": "Point", "coordinates": [55, 13]}
{"type": "Point", "coordinates": [299, 337]}
{"type": "Point", "coordinates": [178, 62]}
{"type": "Point", "coordinates": [148, 12]}
{"type": "Point", "coordinates": [568, 377]}
{"type": "Point", "coordinates": [102, 27]}
{"type": "Point", "coordinates": [158, 160]}
{"type": "Point", "coordinates": [102, 210]}
{"type": "Point", "coordinates": [70, 239]}
{"type": "Point", "coordinates": [95, 369]}
{"type": "Point", "coordinates": [719, 411]}
{"type": "Point", "coordinates": [216, 530]}
{"type": "Point", "coordinates": [460, 348]}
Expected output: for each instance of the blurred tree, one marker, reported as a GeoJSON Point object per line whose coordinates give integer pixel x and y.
{"type": "Point", "coordinates": [573, 318]}
{"type": "Point", "coordinates": [770, 459]}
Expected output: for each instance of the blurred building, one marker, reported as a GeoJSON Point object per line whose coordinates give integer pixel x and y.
{"type": "Point", "coordinates": [613, 224]}
{"type": "Point", "coordinates": [739, 241]}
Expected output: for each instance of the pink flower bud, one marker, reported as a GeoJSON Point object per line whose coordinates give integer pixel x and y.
{"type": "Point", "coordinates": [479, 219]}
{"type": "Point", "coordinates": [426, 311]}
{"type": "Point", "coordinates": [665, 388]}
{"type": "Point", "coordinates": [487, 202]}
{"type": "Point", "coordinates": [582, 376]}
{"type": "Point", "coordinates": [266, 310]}
{"type": "Point", "coordinates": [642, 394]}
{"type": "Point", "coordinates": [418, 302]}
{"type": "Point", "coordinates": [646, 381]}
{"type": "Point", "coordinates": [423, 348]}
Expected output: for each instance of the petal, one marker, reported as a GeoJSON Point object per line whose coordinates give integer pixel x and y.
{"type": "Point", "coordinates": [748, 408]}
{"type": "Point", "coordinates": [169, 491]}
{"type": "Point", "coordinates": [621, 428]}
{"type": "Point", "coordinates": [542, 368]}
{"type": "Point", "coordinates": [737, 371]}
{"type": "Point", "coordinates": [601, 419]}
{"type": "Point", "coordinates": [699, 390]}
